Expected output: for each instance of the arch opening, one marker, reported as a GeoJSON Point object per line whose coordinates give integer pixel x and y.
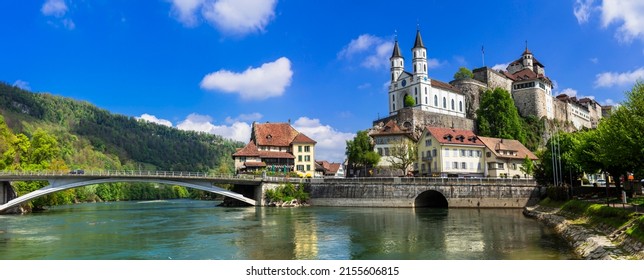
{"type": "Point", "coordinates": [430, 199]}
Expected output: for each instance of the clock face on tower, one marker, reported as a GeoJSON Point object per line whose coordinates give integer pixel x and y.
{"type": "Point", "coordinates": [404, 83]}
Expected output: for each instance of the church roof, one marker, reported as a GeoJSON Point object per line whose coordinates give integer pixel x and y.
{"type": "Point", "coordinates": [396, 52]}
{"type": "Point", "coordinates": [445, 86]}
{"type": "Point", "coordinates": [419, 41]}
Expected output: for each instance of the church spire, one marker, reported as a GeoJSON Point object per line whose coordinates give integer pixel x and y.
{"type": "Point", "coordinates": [396, 52]}
{"type": "Point", "coordinates": [419, 40]}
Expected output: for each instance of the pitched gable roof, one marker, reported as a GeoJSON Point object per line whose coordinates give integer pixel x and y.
{"type": "Point", "coordinates": [250, 150]}
{"type": "Point", "coordinates": [273, 134]}
{"type": "Point", "coordinates": [453, 136]}
{"type": "Point", "coordinates": [303, 139]}
{"type": "Point", "coordinates": [445, 86]}
{"type": "Point", "coordinates": [497, 145]}
{"type": "Point", "coordinates": [391, 128]}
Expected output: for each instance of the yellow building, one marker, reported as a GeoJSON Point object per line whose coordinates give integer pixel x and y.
{"type": "Point", "coordinates": [447, 152]}
{"type": "Point", "coordinates": [276, 147]}
{"type": "Point", "coordinates": [504, 157]}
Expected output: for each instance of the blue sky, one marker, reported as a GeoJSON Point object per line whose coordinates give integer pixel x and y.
{"type": "Point", "coordinates": [219, 65]}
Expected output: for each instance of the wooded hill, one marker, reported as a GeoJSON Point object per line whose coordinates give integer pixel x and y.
{"type": "Point", "coordinates": [40, 131]}
{"type": "Point", "coordinates": [135, 142]}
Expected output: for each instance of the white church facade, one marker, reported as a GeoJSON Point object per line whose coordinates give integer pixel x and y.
{"type": "Point", "coordinates": [429, 95]}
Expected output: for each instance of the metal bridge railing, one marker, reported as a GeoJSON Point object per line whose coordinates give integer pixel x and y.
{"type": "Point", "coordinates": [121, 173]}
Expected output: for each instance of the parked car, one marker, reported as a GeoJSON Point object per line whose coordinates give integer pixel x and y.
{"type": "Point", "coordinates": [601, 182]}
{"type": "Point", "coordinates": [77, 171]}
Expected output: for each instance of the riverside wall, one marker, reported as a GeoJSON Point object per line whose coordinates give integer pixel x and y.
{"type": "Point", "coordinates": [405, 192]}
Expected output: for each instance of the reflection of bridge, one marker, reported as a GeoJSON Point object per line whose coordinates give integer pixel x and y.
{"type": "Point", "coordinates": [59, 181]}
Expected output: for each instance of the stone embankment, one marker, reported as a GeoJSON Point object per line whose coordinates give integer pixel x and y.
{"type": "Point", "coordinates": [604, 243]}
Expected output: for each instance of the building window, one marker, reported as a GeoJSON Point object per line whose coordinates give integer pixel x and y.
{"type": "Point", "coordinates": [446, 152]}
{"type": "Point", "coordinates": [452, 104]}
{"type": "Point", "coordinates": [307, 158]}
{"type": "Point", "coordinates": [488, 154]}
{"type": "Point", "coordinates": [478, 153]}
{"type": "Point", "coordinates": [470, 153]}
{"type": "Point", "coordinates": [393, 98]}
{"type": "Point", "coordinates": [426, 102]}
{"type": "Point", "coordinates": [463, 165]}
{"type": "Point", "coordinates": [416, 90]}
{"type": "Point", "coordinates": [299, 149]}
{"type": "Point", "coordinates": [416, 100]}
{"type": "Point", "coordinates": [444, 102]}
{"type": "Point", "coordinates": [514, 166]}
{"type": "Point", "coordinates": [455, 152]}
{"type": "Point", "coordinates": [462, 152]}
{"type": "Point", "coordinates": [300, 167]}
{"type": "Point", "coordinates": [422, 167]}
{"type": "Point", "coordinates": [242, 159]}
{"type": "Point", "coordinates": [434, 152]}
{"type": "Point", "coordinates": [435, 100]}
{"type": "Point", "coordinates": [460, 106]}
{"type": "Point", "coordinates": [299, 158]}
{"type": "Point", "coordinates": [380, 151]}
{"type": "Point", "coordinates": [307, 148]}
{"type": "Point", "coordinates": [455, 165]}
{"type": "Point", "coordinates": [500, 165]}
{"type": "Point", "coordinates": [394, 107]}
{"type": "Point", "coordinates": [428, 142]}
{"type": "Point", "coordinates": [308, 167]}
{"type": "Point", "coordinates": [386, 152]}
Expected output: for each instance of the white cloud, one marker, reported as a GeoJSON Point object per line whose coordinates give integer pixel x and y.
{"type": "Point", "coordinates": [433, 63]}
{"type": "Point", "coordinates": [501, 66]}
{"type": "Point", "coordinates": [268, 80]}
{"type": "Point", "coordinates": [239, 131]}
{"type": "Point", "coordinates": [154, 119]}
{"type": "Point", "coordinates": [22, 84]}
{"type": "Point", "coordinates": [184, 11]}
{"type": "Point", "coordinates": [245, 118]}
{"type": "Point", "coordinates": [364, 86]}
{"type": "Point", "coordinates": [609, 101]}
{"type": "Point", "coordinates": [330, 142]}
{"type": "Point", "coordinates": [555, 85]}
{"type": "Point", "coordinates": [609, 79]}
{"type": "Point", "coordinates": [582, 10]}
{"type": "Point", "coordinates": [628, 13]}
{"type": "Point", "coordinates": [567, 91]}
{"type": "Point", "coordinates": [460, 60]}
{"type": "Point", "coordinates": [372, 50]}
{"type": "Point", "coordinates": [56, 8]}
{"type": "Point", "coordinates": [594, 60]}
{"type": "Point", "coordinates": [235, 17]}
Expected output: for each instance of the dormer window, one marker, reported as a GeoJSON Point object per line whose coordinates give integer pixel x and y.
{"type": "Point", "coordinates": [269, 136]}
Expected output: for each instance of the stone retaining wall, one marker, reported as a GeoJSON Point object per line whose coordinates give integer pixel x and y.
{"type": "Point", "coordinates": [592, 244]}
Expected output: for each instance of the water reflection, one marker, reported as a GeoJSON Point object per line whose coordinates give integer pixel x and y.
{"type": "Point", "coordinates": [198, 230]}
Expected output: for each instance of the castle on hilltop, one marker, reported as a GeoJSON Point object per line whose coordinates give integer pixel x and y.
{"type": "Point", "coordinates": [454, 104]}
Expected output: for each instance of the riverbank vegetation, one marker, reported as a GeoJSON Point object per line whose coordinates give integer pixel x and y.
{"type": "Point", "coordinates": [598, 216]}
{"type": "Point", "coordinates": [41, 131]}
{"type": "Point", "coordinates": [286, 193]}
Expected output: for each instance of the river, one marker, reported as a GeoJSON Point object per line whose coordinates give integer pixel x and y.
{"type": "Point", "coordinates": [197, 230]}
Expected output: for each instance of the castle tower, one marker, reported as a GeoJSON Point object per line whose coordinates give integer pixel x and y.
{"type": "Point", "coordinates": [397, 63]}
{"type": "Point", "coordinates": [527, 59]}
{"type": "Point", "coordinates": [419, 57]}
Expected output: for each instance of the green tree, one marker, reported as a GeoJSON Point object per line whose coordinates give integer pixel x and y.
{"type": "Point", "coordinates": [360, 151]}
{"type": "Point", "coordinates": [463, 73]}
{"type": "Point", "coordinates": [527, 167]}
{"type": "Point", "coordinates": [409, 101]}
{"type": "Point", "coordinates": [498, 117]}
{"type": "Point", "coordinates": [403, 154]}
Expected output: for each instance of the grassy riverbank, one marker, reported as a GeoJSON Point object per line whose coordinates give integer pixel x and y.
{"type": "Point", "coordinates": [600, 216]}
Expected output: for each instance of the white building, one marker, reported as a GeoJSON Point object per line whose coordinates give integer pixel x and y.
{"type": "Point", "coordinates": [429, 95]}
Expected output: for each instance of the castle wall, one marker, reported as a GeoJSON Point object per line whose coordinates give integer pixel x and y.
{"type": "Point", "coordinates": [531, 101]}
{"type": "Point", "coordinates": [492, 78]}
{"type": "Point", "coordinates": [418, 119]}
{"type": "Point", "coordinates": [472, 90]}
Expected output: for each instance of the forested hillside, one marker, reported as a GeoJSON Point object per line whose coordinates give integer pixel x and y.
{"type": "Point", "coordinates": [47, 132]}
{"type": "Point", "coordinates": [131, 140]}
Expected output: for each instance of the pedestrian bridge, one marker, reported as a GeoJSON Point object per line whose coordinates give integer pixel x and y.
{"type": "Point", "coordinates": [59, 181]}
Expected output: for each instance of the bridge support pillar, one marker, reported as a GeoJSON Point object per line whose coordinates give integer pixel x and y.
{"type": "Point", "coordinates": [6, 192]}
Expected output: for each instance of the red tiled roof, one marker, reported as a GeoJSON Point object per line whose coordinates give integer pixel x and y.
{"type": "Point", "coordinates": [329, 168]}
{"type": "Point", "coordinates": [250, 150]}
{"type": "Point", "coordinates": [445, 86]}
{"type": "Point", "coordinates": [274, 134]}
{"type": "Point", "coordinates": [254, 164]}
{"type": "Point", "coordinates": [301, 138]}
{"type": "Point", "coordinates": [453, 136]}
{"type": "Point", "coordinates": [278, 135]}
{"type": "Point", "coordinates": [334, 167]}
{"type": "Point", "coordinates": [271, 154]}
{"type": "Point", "coordinates": [497, 144]}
